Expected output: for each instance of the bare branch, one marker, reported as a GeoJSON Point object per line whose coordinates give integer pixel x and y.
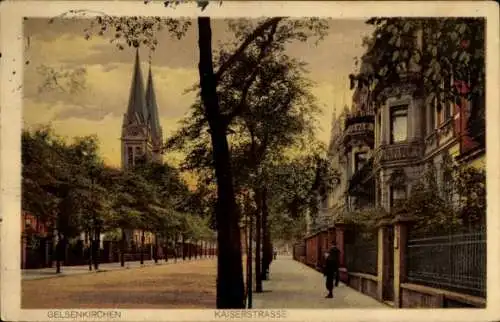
{"type": "Point", "coordinates": [256, 33]}
{"type": "Point", "coordinates": [263, 53]}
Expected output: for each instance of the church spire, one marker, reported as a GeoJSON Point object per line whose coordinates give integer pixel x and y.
{"type": "Point", "coordinates": [152, 108]}
{"type": "Point", "coordinates": [136, 111]}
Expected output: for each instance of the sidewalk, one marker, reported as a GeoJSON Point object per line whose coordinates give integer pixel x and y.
{"type": "Point", "coordinates": [293, 285]}
{"type": "Point", "coordinates": [50, 272]}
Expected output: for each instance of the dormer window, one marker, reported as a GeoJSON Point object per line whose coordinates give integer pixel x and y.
{"type": "Point", "coordinates": [399, 124]}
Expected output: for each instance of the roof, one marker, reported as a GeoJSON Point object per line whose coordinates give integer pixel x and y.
{"type": "Point", "coordinates": [136, 111]}
{"type": "Point", "coordinates": [152, 108]}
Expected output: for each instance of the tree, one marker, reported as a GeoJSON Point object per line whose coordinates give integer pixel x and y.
{"type": "Point", "coordinates": [299, 182]}
{"type": "Point", "coordinates": [38, 174]}
{"type": "Point", "coordinates": [56, 184]}
{"type": "Point", "coordinates": [267, 111]}
{"type": "Point", "coordinates": [134, 32]}
{"type": "Point", "coordinates": [427, 204]}
{"type": "Point", "coordinates": [443, 57]}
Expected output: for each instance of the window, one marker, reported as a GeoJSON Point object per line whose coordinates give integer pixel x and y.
{"type": "Point", "coordinates": [379, 127]}
{"type": "Point", "coordinates": [360, 159]}
{"type": "Point", "coordinates": [448, 104]}
{"type": "Point", "coordinates": [399, 123]}
{"type": "Point", "coordinates": [432, 114]}
{"type": "Point", "coordinates": [398, 195]}
{"type": "Point", "coordinates": [130, 156]}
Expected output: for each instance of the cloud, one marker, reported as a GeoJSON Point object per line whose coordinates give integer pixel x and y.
{"type": "Point", "coordinates": [107, 128]}
{"type": "Point", "coordinates": [66, 49]}
{"type": "Point", "coordinates": [108, 87]}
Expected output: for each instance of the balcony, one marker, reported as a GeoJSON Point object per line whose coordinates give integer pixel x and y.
{"type": "Point", "coordinates": [359, 130]}
{"type": "Point", "coordinates": [361, 182]}
{"type": "Point", "coordinates": [440, 137]}
{"type": "Point", "coordinates": [398, 152]}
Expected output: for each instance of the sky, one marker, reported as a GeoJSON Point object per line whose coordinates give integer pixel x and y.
{"type": "Point", "coordinates": [99, 107]}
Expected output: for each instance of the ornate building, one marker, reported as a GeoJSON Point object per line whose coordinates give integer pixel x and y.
{"type": "Point", "coordinates": [387, 146]}
{"type": "Point", "coordinates": [142, 135]}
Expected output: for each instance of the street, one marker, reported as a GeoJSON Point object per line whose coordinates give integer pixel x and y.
{"type": "Point", "coordinates": [188, 284]}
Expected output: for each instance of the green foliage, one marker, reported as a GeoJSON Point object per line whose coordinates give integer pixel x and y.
{"type": "Point", "coordinates": [68, 187]}
{"type": "Point", "coordinates": [266, 111]}
{"type": "Point", "coordinates": [296, 185]}
{"type": "Point", "coordinates": [365, 220]}
{"type": "Point", "coordinates": [427, 204]}
{"type": "Point", "coordinates": [434, 210]}
{"type": "Point", "coordinates": [470, 186]}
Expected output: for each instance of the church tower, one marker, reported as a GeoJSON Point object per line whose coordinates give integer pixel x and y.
{"type": "Point", "coordinates": [141, 131]}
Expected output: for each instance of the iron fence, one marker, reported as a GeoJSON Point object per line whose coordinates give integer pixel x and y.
{"type": "Point", "coordinates": [456, 262]}
{"type": "Point", "coordinates": [361, 255]}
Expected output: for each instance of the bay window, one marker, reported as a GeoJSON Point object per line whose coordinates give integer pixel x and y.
{"type": "Point", "coordinates": [399, 124]}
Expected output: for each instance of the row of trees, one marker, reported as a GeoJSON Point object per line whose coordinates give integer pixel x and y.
{"type": "Point", "coordinates": [268, 115]}
{"type": "Point", "coordinates": [68, 187]}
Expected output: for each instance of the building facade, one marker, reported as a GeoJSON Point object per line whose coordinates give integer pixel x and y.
{"type": "Point", "coordinates": [387, 147]}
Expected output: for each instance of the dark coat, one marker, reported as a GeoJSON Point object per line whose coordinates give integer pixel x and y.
{"type": "Point", "coordinates": [332, 262]}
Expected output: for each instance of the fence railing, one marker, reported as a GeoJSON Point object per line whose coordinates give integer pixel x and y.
{"type": "Point", "coordinates": [456, 262]}
{"type": "Point", "coordinates": [361, 255]}
{"type": "Point", "coordinates": [299, 250]}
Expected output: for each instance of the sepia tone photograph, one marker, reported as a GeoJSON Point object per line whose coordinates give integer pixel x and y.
{"type": "Point", "coordinates": [252, 163]}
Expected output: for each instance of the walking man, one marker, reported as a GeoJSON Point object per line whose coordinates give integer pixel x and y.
{"type": "Point", "coordinates": [331, 269]}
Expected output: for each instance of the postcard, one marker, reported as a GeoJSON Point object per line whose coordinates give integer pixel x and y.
{"type": "Point", "coordinates": [241, 161]}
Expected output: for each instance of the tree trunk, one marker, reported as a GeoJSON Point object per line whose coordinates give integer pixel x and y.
{"type": "Point", "coordinates": [97, 247]}
{"type": "Point", "coordinates": [267, 252]}
{"type": "Point", "coordinates": [122, 249]}
{"type": "Point", "coordinates": [91, 248]}
{"type": "Point", "coordinates": [155, 250]}
{"type": "Point", "coordinates": [183, 241]}
{"type": "Point", "coordinates": [58, 253]}
{"type": "Point", "coordinates": [142, 247]}
{"type": "Point", "coordinates": [249, 263]}
{"type": "Point", "coordinates": [258, 241]}
{"type": "Point", "coordinates": [175, 247]}
{"type": "Point", "coordinates": [230, 287]}
{"type": "Point", "coordinates": [166, 247]}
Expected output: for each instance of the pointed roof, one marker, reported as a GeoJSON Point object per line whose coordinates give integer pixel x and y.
{"type": "Point", "coordinates": [152, 107]}
{"type": "Point", "coordinates": [136, 110]}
